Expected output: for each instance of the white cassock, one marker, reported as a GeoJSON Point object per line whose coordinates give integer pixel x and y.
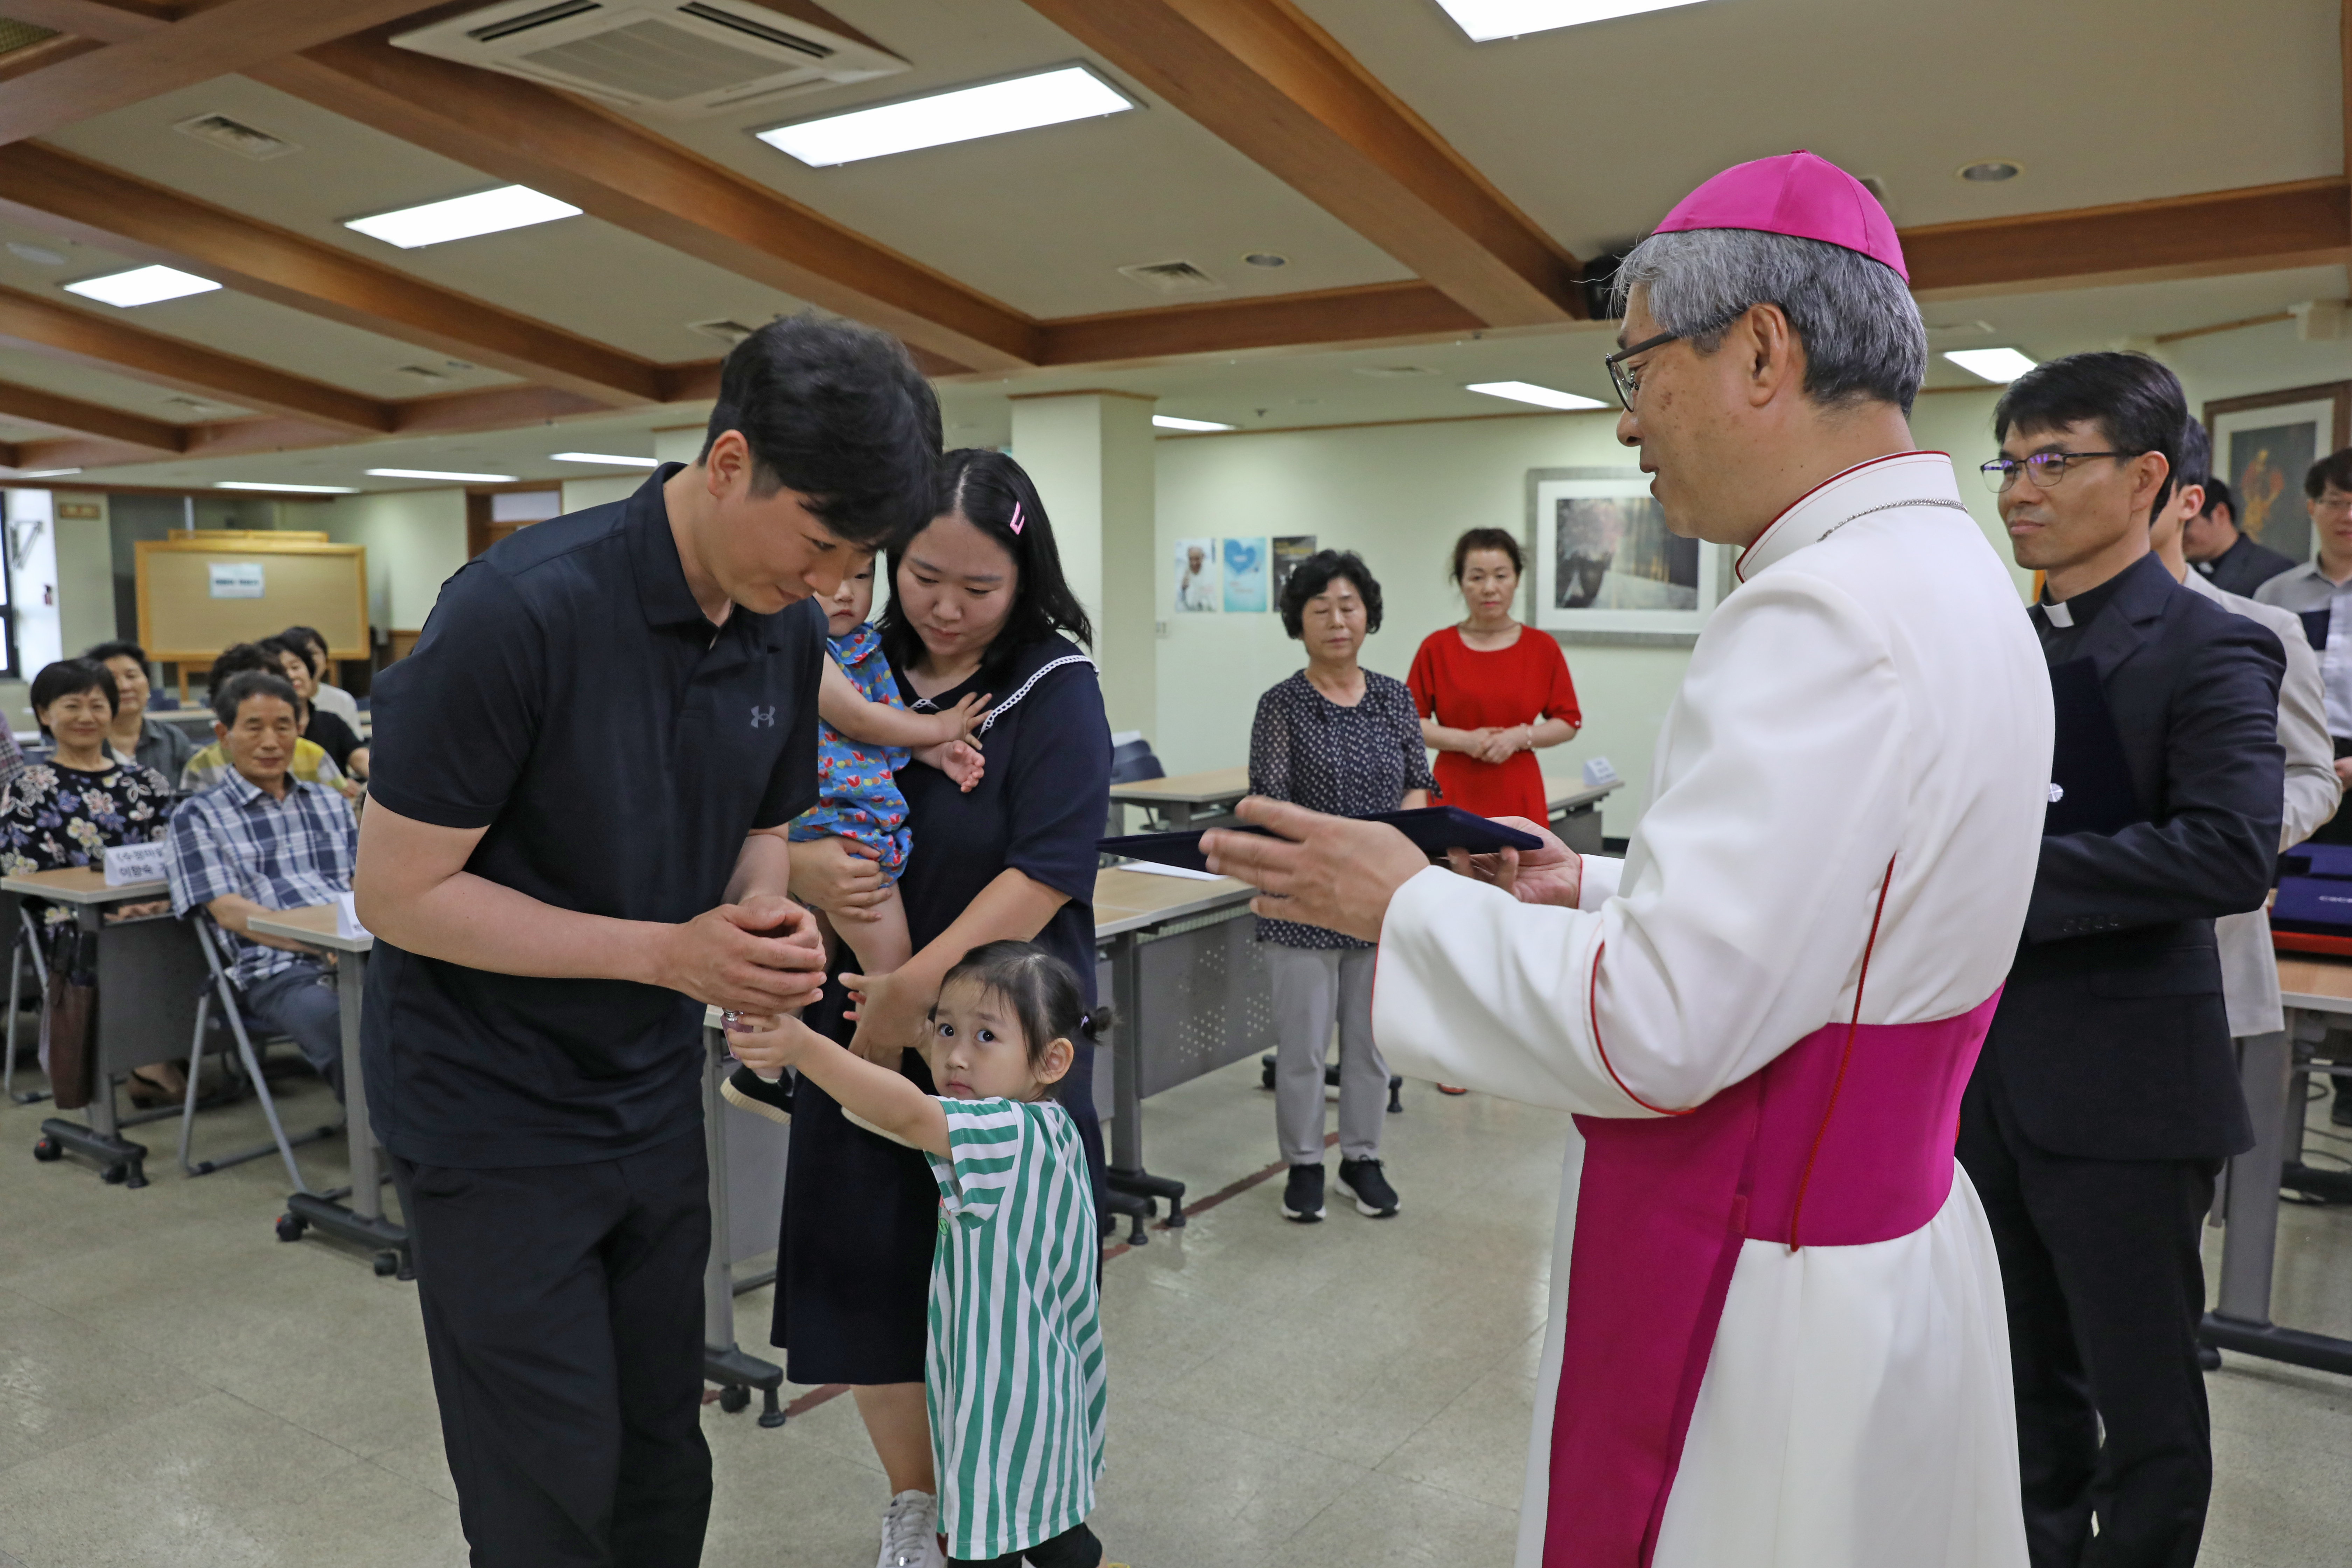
{"type": "Point", "coordinates": [1858, 760]}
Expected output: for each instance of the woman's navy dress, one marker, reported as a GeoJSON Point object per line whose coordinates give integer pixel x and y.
{"type": "Point", "coordinates": [861, 1212]}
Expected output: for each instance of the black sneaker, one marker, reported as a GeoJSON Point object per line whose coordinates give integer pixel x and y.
{"type": "Point", "coordinates": [1302, 1196]}
{"type": "Point", "coordinates": [1363, 1181]}
{"type": "Point", "coordinates": [748, 1090]}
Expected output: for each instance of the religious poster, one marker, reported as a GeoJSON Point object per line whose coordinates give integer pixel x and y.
{"type": "Point", "coordinates": [1289, 549]}
{"type": "Point", "coordinates": [1606, 569]}
{"type": "Point", "coordinates": [1245, 574]}
{"type": "Point", "coordinates": [1196, 577]}
{"type": "Point", "coordinates": [2263, 448]}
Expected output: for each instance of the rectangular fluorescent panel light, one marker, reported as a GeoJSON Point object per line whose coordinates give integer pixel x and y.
{"type": "Point", "coordinates": [960, 114]}
{"type": "Point", "coordinates": [287, 490]}
{"type": "Point", "coordinates": [1528, 392]}
{"type": "Point", "coordinates": [604, 457]}
{"type": "Point", "coordinates": [1170, 422]}
{"type": "Point", "coordinates": [462, 218]}
{"type": "Point", "coordinates": [141, 286]}
{"type": "Point", "coordinates": [2002, 366]}
{"type": "Point", "coordinates": [1485, 20]}
{"type": "Point", "coordinates": [436, 474]}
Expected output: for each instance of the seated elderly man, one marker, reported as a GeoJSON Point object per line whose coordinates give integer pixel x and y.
{"type": "Point", "coordinates": [262, 839]}
{"type": "Point", "coordinates": [310, 761]}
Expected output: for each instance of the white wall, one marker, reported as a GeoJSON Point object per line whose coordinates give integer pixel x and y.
{"type": "Point", "coordinates": [578, 495]}
{"type": "Point", "coordinates": [1400, 495]}
{"type": "Point", "coordinates": [415, 541]}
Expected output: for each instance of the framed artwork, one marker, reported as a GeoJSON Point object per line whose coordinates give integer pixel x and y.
{"type": "Point", "coordinates": [1606, 570]}
{"type": "Point", "coordinates": [1196, 577]}
{"type": "Point", "coordinates": [1245, 576]}
{"type": "Point", "coordinates": [1289, 549]}
{"type": "Point", "coordinates": [2262, 446]}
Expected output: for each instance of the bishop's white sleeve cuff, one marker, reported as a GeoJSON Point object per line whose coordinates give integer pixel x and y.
{"type": "Point", "coordinates": [1602, 874]}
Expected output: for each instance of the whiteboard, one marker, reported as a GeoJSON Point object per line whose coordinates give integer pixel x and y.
{"type": "Point", "coordinates": [196, 599]}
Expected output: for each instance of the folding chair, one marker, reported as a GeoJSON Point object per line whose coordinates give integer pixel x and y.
{"type": "Point", "coordinates": [27, 943]}
{"type": "Point", "coordinates": [218, 987]}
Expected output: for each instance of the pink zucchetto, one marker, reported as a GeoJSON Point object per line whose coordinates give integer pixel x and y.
{"type": "Point", "coordinates": [1796, 194]}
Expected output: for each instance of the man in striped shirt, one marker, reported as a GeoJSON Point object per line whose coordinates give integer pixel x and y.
{"type": "Point", "coordinates": [262, 840]}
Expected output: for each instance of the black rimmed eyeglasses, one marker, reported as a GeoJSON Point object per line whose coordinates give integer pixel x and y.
{"type": "Point", "coordinates": [2047, 468]}
{"type": "Point", "coordinates": [1624, 377]}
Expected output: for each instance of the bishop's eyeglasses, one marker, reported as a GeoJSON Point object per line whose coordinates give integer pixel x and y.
{"type": "Point", "coordinates": [2047, 468]}
{"type": "Point", "coordinates": [1624, 377]}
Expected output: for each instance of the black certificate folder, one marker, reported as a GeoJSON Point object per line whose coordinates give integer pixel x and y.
{"type": "Point", "coordinates": [1433, 830]}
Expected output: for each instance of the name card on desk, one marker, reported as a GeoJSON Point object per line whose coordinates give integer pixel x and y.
{"type": "Point", "coordinates": [347, 918]}
{"type": "Point", "coordinates": [130, 863]}
{"type": "Point", "coordinates": [1597, 772]}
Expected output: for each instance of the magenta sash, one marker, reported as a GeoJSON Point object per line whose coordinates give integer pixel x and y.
{"type": "Point", "coordinates": [1846, 1137]}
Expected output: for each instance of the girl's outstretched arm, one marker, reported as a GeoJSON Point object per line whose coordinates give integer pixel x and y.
{"type": "Point", "coordinates": [887, 1098]}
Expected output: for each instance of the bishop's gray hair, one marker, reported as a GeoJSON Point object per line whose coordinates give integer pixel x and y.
{"type": "Point", "coordinates": [1860, 329]}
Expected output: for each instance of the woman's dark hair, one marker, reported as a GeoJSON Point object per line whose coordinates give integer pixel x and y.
{"type": "Point", "coordinates": [69, 675]}
{"type": "Point", "coordinates": [988, 489]}
{"type": "Point", "coordinates": [306, 641]}
{"type": "Point", "coordinates": [106, 650]}
{"type": "Point", "coordinates": [2336, 468]}
{"type": "Point", "coordinates": [837, 413]}
{"type": "Point", "coordinates": [1315, 574]}
{"type": "Point", "coordinates": [232, 694]}
{"type": "Point", "coordinates": [240, 656]}
{"type": "Point", "coordinates": [2136, 404]}
{"type": "Point", "coordinates": [1493, 539]}
{"type": "Point", "coordinates": [1043, 991]}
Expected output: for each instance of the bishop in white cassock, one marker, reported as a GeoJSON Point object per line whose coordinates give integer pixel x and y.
{"type": "Point", "coordinates": [1776, 1332]}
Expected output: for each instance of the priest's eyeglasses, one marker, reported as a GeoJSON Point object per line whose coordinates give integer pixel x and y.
{"type": "Point", "coordinates": [1624, 377]}
{"type": "Point", "coordinates": [2047, 468]}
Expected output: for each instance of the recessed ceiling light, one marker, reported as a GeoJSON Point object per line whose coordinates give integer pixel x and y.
{"type": "Point", "coordinates": [141, 286]}
{"type": "Point", "coordinates": [1528, 392]}
{"type": "Point", "coordinates": [289, 489]}
{"type": "Point", "coordinates": [2003, 365]}
{"type": "Point", "coordinates": [1992, 171]}
{"type": "Point", "coordinates": [38, 255]}
{"type": "Point", "coordinates": [1265, 259]}
{"type": "Point", "coordinates": [604, 457]}
{"type": "Point", "coordinates": [462, 218]}
{"type": "Point", "coordinates": [1485, 20]}
{"type": "Point", "coordinates": [1170, 422]}
{"type": "Point", "coordinates": [437, 474]}
{"type": "Point", "coordinates": [46, 473]}
{"type": "Point", "coordinates": [958, 114]}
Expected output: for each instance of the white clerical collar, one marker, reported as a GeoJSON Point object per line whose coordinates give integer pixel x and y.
{"type": "Point", "coordinates": [2057, 612]}
{"type": "Point", "coordinates": [1901, 479]}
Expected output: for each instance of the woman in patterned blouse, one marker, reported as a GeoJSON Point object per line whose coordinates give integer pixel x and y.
{"type": "Point", "coordinates": [1335, 738]}
{"type": "Point", "coordinates": [69, 810]}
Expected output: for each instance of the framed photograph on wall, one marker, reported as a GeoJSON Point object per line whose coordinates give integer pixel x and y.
{"type": "Point", "coordinates": [2262, 446]}
{"type": "Point", "coordinates": [1245, 576]}
{"type": "Point", "coordinates": [1197, 593]}
{"type": "Point", "coordinates": [1289, 549]}
{"type": "Point", "coordinates": [1606, 570]}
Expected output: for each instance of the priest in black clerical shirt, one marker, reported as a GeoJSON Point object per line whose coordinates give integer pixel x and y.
{"type": "Point", "coordinates": [2108, 1097]}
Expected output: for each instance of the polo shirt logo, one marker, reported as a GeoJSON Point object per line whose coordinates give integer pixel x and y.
{"type": "Point", "coordinates": [763, 717]}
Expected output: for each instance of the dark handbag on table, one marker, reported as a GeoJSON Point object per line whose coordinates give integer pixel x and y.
{"type": "Point", "coordinates": [70, 1018]}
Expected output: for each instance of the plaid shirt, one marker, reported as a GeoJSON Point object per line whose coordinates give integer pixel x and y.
{"type": "Point", "coordinates": [282, 854]}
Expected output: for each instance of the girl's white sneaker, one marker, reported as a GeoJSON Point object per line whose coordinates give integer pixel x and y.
{"type": "Point", "coordinates": [910, 1533]}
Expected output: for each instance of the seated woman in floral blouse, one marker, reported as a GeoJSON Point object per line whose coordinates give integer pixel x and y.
{"type": "Point", "coordinates": [69, 810]}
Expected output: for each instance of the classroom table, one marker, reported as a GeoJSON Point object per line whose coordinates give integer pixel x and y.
{"type": "Point", "coordinates": [2314, 990]}
{"type": "Point", "coordinates": [361, 1220]}
{"type": "Point", "coordinates": [1206, 800]}
{"type": "Point", "coordinates": [724, 1362]}
{"type": "Point", "coordinates": [148, 974]}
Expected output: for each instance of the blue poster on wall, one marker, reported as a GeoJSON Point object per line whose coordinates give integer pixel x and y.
{"type": "Point", "coordinates": [1246, 574]}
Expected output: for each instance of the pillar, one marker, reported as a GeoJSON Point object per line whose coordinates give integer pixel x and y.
{"type": "Point", "coordinates": [1090, 456]}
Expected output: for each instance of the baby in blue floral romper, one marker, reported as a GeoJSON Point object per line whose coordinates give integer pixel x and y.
{"type": "Point", "coordinates": [864, 737]}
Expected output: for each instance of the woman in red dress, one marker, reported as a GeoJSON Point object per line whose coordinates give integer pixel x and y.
{"type": "Point", "coordinates": [1491, 691]}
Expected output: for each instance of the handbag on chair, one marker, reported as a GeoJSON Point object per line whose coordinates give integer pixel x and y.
{"type": "Point", "coordinates": [69, 1018]}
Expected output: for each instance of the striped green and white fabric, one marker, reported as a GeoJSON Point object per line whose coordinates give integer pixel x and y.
{"type": "Point", "coordinates": [1015, 1372]}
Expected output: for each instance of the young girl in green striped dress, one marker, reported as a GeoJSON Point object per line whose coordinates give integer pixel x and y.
{"type": "Point", "coordinates": [1015, 1372]}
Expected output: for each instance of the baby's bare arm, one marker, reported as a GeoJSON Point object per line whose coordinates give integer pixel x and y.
{"type": "Point", "coordinates": [839, 704]}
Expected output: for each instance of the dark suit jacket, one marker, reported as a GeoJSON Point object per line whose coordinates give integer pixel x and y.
{"type": "Point", "coordinates": [2111, 1041]}
{"type": "Point", "coordinates": [2245, 567]}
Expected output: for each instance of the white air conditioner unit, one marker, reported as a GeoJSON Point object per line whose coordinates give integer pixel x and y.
{"type": "Point", "coordinates": [681, 60]}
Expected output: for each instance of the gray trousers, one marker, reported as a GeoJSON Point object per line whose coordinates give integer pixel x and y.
{"type": "Point", "coordinates": [1313, 988]}
{"type": "Point", "coordinates": [301, 1002]}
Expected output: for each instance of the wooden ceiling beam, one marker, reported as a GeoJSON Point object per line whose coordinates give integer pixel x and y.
{"type": "Point", "coordinates": [1374, 313]}
{"type": "Point", "coordinates": [1260, 75]}
{"type": "Point", "coordinates": [150, 435]}
{"type": "Point", "coordinates": [42, 56]}
{"type": "Point", "coordinates": [616, 170]}
{"type": "Point", "coordinates": [83, 337]}
{"type": "Point", "coordinates": [48, 189]}
{"type": "Point", "coordinates": [218, 41]}
{"type": "Point", "coordinates": [2261, 228]}
{"type": "Point", "coordinates": [96, 20]}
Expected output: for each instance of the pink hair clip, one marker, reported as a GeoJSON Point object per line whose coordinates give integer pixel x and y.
{"type": "Point", "coordinates": [1015, 524]}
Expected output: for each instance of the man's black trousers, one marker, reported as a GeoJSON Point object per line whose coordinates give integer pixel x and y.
{"type": "Point", "coordinates": [564, 1315]}
{"type": "Point", "coordinates": [2100, 1267]}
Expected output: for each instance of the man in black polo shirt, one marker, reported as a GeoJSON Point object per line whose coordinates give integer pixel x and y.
{"type": "Point", "coordinates": [568, 853]}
